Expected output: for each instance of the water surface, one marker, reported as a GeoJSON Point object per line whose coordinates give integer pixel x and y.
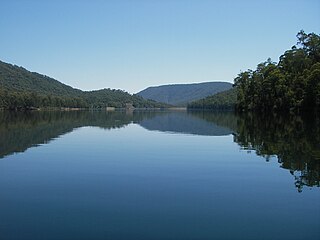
{"type": "Point", "coordinates": [158, 175]}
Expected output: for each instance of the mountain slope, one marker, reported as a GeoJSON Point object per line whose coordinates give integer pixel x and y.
{"type": "Point", "coordinates": [182, 94]}
{"type": "Point", "coordinates": [222, 100]}
{"type": "Point", "coordinates": [20, 88]}
{"type": "Point", "coordinates": [19, 79]}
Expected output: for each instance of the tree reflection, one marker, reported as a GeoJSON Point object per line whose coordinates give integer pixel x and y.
{"type": "Point", "coordinates": [295, 140]}
{"type": "Point", "coordinates": [22, 130]}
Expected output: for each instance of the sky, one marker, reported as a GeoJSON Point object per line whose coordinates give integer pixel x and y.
{"type": "Point", "coordinates": [134, 44]}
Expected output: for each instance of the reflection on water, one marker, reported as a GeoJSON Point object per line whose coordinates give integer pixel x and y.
{"type": "Point", "coordinates": [19, 130]}
{"type": "Point", "coordinates": [158, 175]}
{"type": "Point", "coordinates": [295, 141]}
{"type": "Point", "coordinates": [191, 123]}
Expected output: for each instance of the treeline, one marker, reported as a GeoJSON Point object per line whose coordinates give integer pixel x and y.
{"type": "Point", "coordinates": [291, 85]}
{"type": "Point", "coordinates": [118, 98]}
{"type": "Point", "coordinates": [225, 100]}
{"type": "Point", "coordinates": [14, 100]}
{"type": "Point", "coordinates": [22, 89]}
{"type": "Point", "coordinates": [25, 100]}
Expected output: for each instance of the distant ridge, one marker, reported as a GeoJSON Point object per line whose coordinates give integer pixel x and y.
{"type": "Point", "coordinates": [22, 89]}
{"type": "Point", "coordinates": [182, 94]}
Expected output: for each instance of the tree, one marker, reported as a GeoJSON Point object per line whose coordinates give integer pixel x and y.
{"type": "Point", "coordinates": [291, 85]}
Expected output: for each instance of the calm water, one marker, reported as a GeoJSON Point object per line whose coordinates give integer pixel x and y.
{"type": "Point", "coordinates": [158, 175]}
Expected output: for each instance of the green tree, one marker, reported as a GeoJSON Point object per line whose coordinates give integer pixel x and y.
{"type": "Point", "coordinates": [290, 85]}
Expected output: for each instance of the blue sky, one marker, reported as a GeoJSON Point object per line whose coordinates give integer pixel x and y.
{"type": "Point", "coordinates": [131, 45]}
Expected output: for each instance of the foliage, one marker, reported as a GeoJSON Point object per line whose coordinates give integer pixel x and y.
{"type": "Point", "coordinates": [220, 101]}
{"type": "Point", "coordinates": [26, 100]}
{"type": "Point", "coordinates": [21, 89]}
{"type": "Point", "coordinates": [291, 85]}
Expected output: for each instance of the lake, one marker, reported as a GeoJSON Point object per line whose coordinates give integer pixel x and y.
{"type": "Point", "coordinates": [158, 175]}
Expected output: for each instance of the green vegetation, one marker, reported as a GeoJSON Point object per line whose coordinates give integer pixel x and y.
{"type": "Point", "coordinates": [221, 101]}
{"type": "Point", "coordinates": [182, 94]}
{"type": "Point", "coordinates": [291, 85]}
{"type": "Point", "coordinates": [22, 89]}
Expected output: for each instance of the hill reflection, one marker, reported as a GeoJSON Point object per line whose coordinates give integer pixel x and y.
{"type": "Point", "coordinates": [22, 130]}
{"type": "Point", "coordinates": [190, 123]}
{"type": "Point", "coordinates": [295, 141]}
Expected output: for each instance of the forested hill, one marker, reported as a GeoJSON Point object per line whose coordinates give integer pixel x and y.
{"type": "Point", "coordinates": [225, 100]}
{"type": "Point", "coordinates": [182, 94]}
{"type": "Point", "coordinates": [22, 89]}
{"type": "Point", "coordinates": [17, 78]}
{"type": "Point", "coordinates": [291, 85]}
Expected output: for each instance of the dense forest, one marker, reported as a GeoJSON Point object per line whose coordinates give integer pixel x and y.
{"type": "Point", "coordinates": [22, 89]}
{"type": "Point", "coordinates": [291, 85]}
{"type": "Point", "coordinates": [225, 100]}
